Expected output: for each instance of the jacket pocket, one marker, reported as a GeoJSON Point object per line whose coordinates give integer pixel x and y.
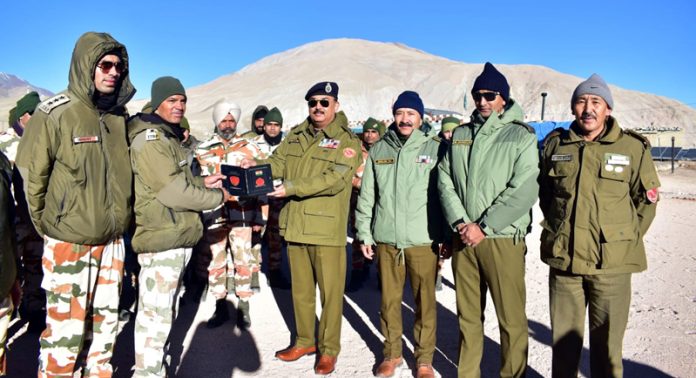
{"type": "Point", "coordinates": [617, 242]}
{"type": "Point", "coordinates": [319, 222]}
{"type": "Point", "coordinates": [553, 244]}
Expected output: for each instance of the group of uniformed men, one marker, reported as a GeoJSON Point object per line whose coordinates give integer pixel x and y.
{"type": "Point", "coordinates": [419, 198]}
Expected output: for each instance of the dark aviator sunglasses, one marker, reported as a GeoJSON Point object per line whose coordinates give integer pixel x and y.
{"type": "Point", "coordinates": [323, 102]}
{"type": "Point", "coordinates": [489, 96]}
{"type": "Point", "coordinates": [106, 66]}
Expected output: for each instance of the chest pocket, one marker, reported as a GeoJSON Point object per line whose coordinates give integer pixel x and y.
{"type": "Point", "coordinates": [324, 155]}
{"type": "Point", "coordinates": [615, 173]}
{"type": "Point", "coordinates": [294, 149]}
{"type": "Point", "coordinates": [563, 169]}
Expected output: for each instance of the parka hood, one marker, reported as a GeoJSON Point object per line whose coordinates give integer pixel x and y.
{"type": "Point", "coordinates": [90, 47]}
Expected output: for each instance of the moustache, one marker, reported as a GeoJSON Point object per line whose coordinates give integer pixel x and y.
{"type": "Point", "coordinates": [318, 111]}
{"type": "Point", "coordinates": [405, 124]}
{"type": "Point", "coordinates": [588, 115]}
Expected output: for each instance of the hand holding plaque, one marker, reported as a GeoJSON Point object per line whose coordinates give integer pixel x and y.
{"type": "Point", "coordinates": [253, 181]}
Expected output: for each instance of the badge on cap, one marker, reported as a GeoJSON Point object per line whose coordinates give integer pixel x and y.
{"type": "Point", "coordinates": [328, 88]}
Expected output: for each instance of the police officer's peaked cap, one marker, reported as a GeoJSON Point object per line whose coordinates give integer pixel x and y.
{"type": "Point", "coordinates": [328, 88]}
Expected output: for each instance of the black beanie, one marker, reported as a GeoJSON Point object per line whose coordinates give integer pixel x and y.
{"type": "Point", "coordinates": [411, 100]}
{"type": "Point", "coordinates": [164, 87]}
{"type": "Point", "coordinates": [491, 79]}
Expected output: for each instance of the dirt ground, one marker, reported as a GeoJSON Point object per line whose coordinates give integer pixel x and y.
{"type": "Point", "coordinates": [660, 340]}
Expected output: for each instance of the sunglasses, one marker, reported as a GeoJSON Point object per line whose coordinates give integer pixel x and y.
{"type": "Point", "coordinates": [489, 96]}
{"type": "Point", "coordinates": [106, 66]}
{"type": "Point", "coordinates": [323, 102]}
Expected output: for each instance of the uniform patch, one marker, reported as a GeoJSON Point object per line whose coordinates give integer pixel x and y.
{"type": "Point", "coordinates": [562, 157]}
{"type": "Point", "coordinates": [652, 195]}
{"type": "Point", "coordinates": [384, 161]}
{"type": "Point", "coordinates": [616, 159]}
{"type": "Point", "coordinates": [425, 159]}
{"type": "Point", "coordinates": [348, 152]}
{"type": "Point", "coordinates": [183, 163]}
{"type": "Point", "coordinates": [329, 143]}
{"type": "Point", "coordinates": [86, 139]}
{"type": "Point", "coordinates": [151, 134]}
{"type": "Point", "coordinates": [465, 142]}
{"type": "Point", "coordinates": [53, 103]}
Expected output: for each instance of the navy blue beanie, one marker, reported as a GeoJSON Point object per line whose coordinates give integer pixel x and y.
{"type": "Point", "coordinates": [411, 100]}
{"type": "Point", "coordinates": [492, 80]}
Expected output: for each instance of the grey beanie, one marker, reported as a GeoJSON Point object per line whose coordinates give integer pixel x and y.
{"type": "Point", "coordinates": [595, 85]}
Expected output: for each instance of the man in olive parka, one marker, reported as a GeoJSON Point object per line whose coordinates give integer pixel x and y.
{"type": "Point", "coordinates": [487, 184]}
{"type": "Point", "coordinates": [73, 158]}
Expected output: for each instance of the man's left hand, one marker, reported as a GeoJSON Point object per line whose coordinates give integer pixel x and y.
{"type": "Point", "coordinates": [278, 192]}
{"type": "Point", "coordinates": [472, 234]}
{"type": "Point", "coordinates": [213, 181]}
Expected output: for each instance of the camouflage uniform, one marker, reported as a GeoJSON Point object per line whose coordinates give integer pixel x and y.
{"type": "Point", "coordinates": [5, 315]}
{"type": "Point", "coordinates": [9, 141]}
{"type": "Point", "coordinates": [272, 233]}
{"type": "Point", "coordinates": [161, 276]}
{"type": "Point", "coordinates": [234, 219]}
{"type": "Point", "coordinates": [72, 275]}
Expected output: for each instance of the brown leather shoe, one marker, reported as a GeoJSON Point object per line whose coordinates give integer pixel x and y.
{"type": "Point", "coordinates": [388, 367]}
{"type": "Point", "coordinates": [425, 371]}
{"type": "Point", "coordinates": [294, 353]}
{"type": "Point", "coordinates": [326, 365]}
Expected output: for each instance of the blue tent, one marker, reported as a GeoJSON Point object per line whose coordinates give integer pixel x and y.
{"type": "Point", "coordinates": [544, 128]}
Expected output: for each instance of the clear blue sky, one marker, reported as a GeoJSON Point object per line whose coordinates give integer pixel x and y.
{"type": "Point", "coordinates": [643, 45]}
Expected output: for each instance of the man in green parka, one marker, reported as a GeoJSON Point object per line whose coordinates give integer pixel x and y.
{"type": "Point", "coordinates": [399, 211]}
{"type": "Point", "coordinates": [598, 193]}
{"type": "Point", "coordinates": [167, 224]}
{"type": "Point", "coordinates": [73, 158]}
{"type": "Point", "coordinates": [488, 185]}
{"type": "Point", "coordinates": [316, 162]}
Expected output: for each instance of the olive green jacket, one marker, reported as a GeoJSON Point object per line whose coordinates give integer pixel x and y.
{"type": "Point", "coordinates": [399, 203]}
{"type": "Point", "coordinates": [489, 175]}
{"type": "Point", "coordinates": [73, 157]}
{"type": "Point", "coordinates": [316, 168]}
{"type": "Point", "coordinates": [8, 259]}
{"type": "Point", "coordinates": [167, 195]}
{"type": "Point", "coordinates": [597, 201]}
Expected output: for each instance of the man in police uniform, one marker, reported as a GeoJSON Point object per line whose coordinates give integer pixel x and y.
{"type": "Point", "coordinates": [598, 195]}
{"type": "Point", "coordinates": [488, 185]}
{"type": "Point", "coordinates": [316, 162]}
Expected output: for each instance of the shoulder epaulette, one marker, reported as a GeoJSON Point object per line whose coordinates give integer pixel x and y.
{"type": "Point", "coordinates": [48, 105]}
{"type": "Point", "coordinates": [437, 138]}
{"type": "Point", "coordinates": [557, 132]}
{"type": "Point", "coordinates": [525, 125]}
{"type": "Point", "coordinates": [638, 136]}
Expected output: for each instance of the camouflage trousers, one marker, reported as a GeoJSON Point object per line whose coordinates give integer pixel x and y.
{"type": "Point", "coordinates": [160, 283]}
{"type": "Point", "coordinates": [83, 284]}
{"type": "Point", "coordinates": [273, 238]}
{"type": "Point", "coordinates": [30, 249]}
{"type": "Point", "coordinates": [229, 257]}
{"type": "Point", "coordinates": [5, 314]}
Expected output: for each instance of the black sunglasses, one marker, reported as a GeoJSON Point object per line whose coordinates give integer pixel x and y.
{"type": "Point", "coordinates": [323, 102]}
{"type": "Point", "coordinates": [106, 66]}
{"type": "Point", "coordinates": [489, 96]}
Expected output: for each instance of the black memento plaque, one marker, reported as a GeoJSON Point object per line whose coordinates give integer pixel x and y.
{"type": "Point", "coordinates": [253, 181]}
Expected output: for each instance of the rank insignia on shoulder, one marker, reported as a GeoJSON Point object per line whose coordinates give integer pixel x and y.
{"type": "Point", "coordinates": [151, 134]}
{"type": "Point", "coordinates": [329, 143]}
{"type": "Point", "coordinates": [562, 157]}
{"type": "Point", "coordinates": [53, 103]}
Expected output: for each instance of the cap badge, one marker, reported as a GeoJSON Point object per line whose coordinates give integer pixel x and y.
{"type": "Point", "coordinates": [328, 88]}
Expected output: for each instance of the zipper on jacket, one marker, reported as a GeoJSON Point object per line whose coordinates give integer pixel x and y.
{"type": "Point", "coordinates": [107, 160]}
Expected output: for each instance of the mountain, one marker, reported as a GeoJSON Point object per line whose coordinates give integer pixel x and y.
{"type": "Point", "coordinates": [371, 74]}
{"type": "Point", "coordinates": [12, 88]}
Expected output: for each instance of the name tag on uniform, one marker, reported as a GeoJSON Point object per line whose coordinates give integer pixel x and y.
{"type": "Point", "coordinates": [384, 161]}
{"type": "Point", "coordinates": [329, 143]}
{"type": "Point", "coordinates": [616, 159]}
{"type": "Point", "coordinates": [86, 139]}
{"type": "Point", "coordinates": [183, 163]}
{"type": "Point", "coordinates": [465, 142]}
{"type": "Point", "coordinates": [425, 159]}
{"type": "Point", "coordinates": [565, 157]}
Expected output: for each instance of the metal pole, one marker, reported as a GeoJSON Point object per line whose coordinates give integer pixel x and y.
{"type": "Point", "coordinates": [543, 104]}
{"type": "Point", "coordinates": [672, 154]}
